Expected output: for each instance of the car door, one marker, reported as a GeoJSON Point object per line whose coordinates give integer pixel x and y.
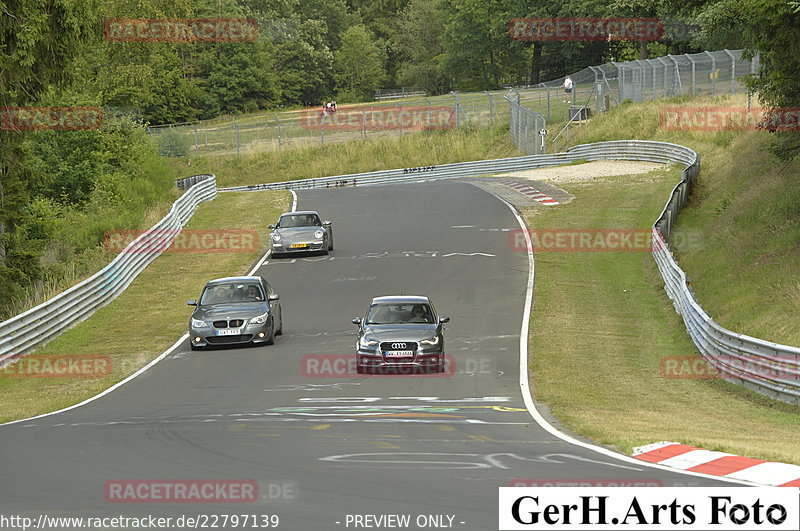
{"type": "Point", "coordinates": [274, 303]}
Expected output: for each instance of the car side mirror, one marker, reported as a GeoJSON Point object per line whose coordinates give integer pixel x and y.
{"type": "Point", "coordinates": [444, 319]}
{"type": "Point", "coordinates": [326, 223]}
{"type": "Point", "coordinates": [273, 297]}
{"type": "Point", "coordinates": [191, 302]}
{"type": "Point", "coordinates": [270, 226]}
{"type": "Point", "coordinates": [356, 320]}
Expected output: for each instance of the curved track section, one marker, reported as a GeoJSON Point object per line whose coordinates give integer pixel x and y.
{"type": "Point", "coordinates": [321, 441]}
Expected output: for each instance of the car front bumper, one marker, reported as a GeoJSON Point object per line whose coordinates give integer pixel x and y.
{"type": "Point", "coordinates": [420, 362]}
{"type": "Point", "coordinates": [250, 333]}
{"type": "Point", "coordinates": [280, 248]}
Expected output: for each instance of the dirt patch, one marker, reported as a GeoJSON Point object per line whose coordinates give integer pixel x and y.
{"type": "Point", "coordinates": [589, 172]}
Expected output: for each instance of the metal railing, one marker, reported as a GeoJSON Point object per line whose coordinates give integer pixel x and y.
{"type": "Point", "coordinates": [33, 328]}
{"type": "Point", "coordinates": [738, 357]}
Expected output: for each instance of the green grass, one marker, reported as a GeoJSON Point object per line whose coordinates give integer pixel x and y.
{"type": "Point", "coordinates": [162, 291]}
{"type": "Point", "coordinates": [602, 322]}
{"type": "Point", "coordinates": [744, 213]}
{"type": "Point", "coordinates": [406, 151]}
{"type": "Point", "coordinates": [601, 325]}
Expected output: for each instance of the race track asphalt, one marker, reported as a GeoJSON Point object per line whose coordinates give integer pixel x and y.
{"type": "Point", "coordinates": [321, 441]}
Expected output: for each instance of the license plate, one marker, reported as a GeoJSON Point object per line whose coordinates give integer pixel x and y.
{"type": "Point", "coordinates": [298, 245]}
{"type": "Point", "coordinates": [229, 332]}
{"type": "Point", "coordinates": [399, 353]}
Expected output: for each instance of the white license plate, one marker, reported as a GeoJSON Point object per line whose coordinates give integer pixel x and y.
{"type": "Point", "coordinates": [399, 353]}
{"type": "Point", "coordinates": [229, 332]}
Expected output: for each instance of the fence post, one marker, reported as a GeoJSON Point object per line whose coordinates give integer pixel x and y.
{"type": "Point", "coordinates": [733, 70]}
{"type": "Point", "coordinates": [694, 81]}
{"type": "Point", "coordinates": [196, 140]}
{"type": "Point", "coordinates": [713, 74]}
{"type": "Point", "coordinates": [491, 110]}
{"type": "Point", "coordinates": [363, 123]}
{"type": "Point", "coordinates": [236, 127]}
{"type": "Point", "coordinates": [278, 119]}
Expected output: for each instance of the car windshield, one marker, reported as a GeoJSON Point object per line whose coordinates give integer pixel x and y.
{"type": "Point", "coordinates": [232, 293]}
{"type": "Point", "coordinates": [299, 220]}
{"type": "Point", "coordinates": [393, 313]}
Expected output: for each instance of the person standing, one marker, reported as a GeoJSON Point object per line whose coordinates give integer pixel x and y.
{"type": "Point", "coordinates": [567, 90]}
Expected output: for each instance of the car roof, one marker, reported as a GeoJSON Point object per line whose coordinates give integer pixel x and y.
{"type": "Point", "coordinates": [300, 213]}
{"type": "Point", "coordinates": [227, 280]}
{"type": "Point", "coordinates": [400, 299]}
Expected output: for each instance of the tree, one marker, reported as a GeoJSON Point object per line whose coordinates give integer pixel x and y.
{"type": "Point", "coordinates": [358, 65]}
{"type": "Point", "coordinates": [417, 42]}
{"type": "Point", "coordinates": [39, 39]}
{"type": "Point", "coordinates": [769, 28]}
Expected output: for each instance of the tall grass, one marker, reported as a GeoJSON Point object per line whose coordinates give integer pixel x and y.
{"type": "Point", "coordinates": [745, 211]}
{"type": "Point", "coordinates": [409, 150]}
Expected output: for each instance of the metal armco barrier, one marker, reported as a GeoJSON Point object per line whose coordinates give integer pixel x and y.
{"type": "Point", "coordinates": [38, 325]}
{"type": "Point", "coordinates": [746, 360]}
{"type": "Point", "coordinates": [188, 182]}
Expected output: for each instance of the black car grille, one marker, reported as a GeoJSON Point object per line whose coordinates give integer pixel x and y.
{"type": "Point", "coordinates": [398, 345]}
{"type": "Point", "coordinates": [218, 340]}
{"type": "Point", "coordinates": [233, 323]}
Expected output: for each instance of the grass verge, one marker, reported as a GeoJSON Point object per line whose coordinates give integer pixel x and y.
{"type": "Point", "coordinates": [600, 326]}
{"type": "Point", "coordinates": [601, 323]}
{"type": "Point", "coordinates": [162, 291]}
{"type": "Point", "coordinates": [407, 151]}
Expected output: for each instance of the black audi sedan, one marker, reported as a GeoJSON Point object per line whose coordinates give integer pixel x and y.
{"type": "Point", "coordinates": [400, 335]}
{"type": "Point", "coordinates": [235, 310]}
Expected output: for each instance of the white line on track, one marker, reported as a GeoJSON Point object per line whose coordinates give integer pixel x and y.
{"type": "Point", "coordinates": [153, 362]}
{"type": "Point", "coordinates": [525, 386]}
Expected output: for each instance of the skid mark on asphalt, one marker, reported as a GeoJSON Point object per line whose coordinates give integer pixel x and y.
{"type": "Point", "coordinates": [463, 414]}
{"type": "Point", "coordinates": [387, 254]}
{"type": "Point", "coordinates": [433, 460]}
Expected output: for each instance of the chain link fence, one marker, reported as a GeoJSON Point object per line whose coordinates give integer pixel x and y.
{"type": "Point", "coordinates": [528, 129]}
{"type": "Point", "coordinates": [312, 126]}
{"type": "Point", "coordinates": [595, 89]}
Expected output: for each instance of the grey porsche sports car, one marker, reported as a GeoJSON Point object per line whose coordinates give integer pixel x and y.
{"type": "Point", "coordinates": [400, 335]}
{"type": "Point", "coordinates": [300, 232]}
{"type": "Point", "coordinates": [235, 310]}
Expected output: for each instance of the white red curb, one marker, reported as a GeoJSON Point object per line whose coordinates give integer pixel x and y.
{"type": "Point", "coordinates": [693, 459]}
{"type": "Point", "coordinates": [531, 192]}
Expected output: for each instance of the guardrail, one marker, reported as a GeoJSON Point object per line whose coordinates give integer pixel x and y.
{"type": "Point", "coordinates": [740, 358]}
{"type": "Point", "coordinates": [38, 325]}
{"type": "Point", "coordinates": [188, 182]}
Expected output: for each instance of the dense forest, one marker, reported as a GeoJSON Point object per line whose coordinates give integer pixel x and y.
{"type": "Point", "coordinates": [56, 53]}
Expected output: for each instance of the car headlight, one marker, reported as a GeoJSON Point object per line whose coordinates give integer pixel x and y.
{"type": "Point", "coordinates": [366, 343]}
{"type": "Point", "coordinates": [197, 323]}
{"type": "Point", "coordinates": [275, 237]}
{"type": "Point", "coordinates": [319, 234]}
{"type": "Point", "coordinates": [260, 319]}
{"type": "Point", "coordinates": [431, 341]}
